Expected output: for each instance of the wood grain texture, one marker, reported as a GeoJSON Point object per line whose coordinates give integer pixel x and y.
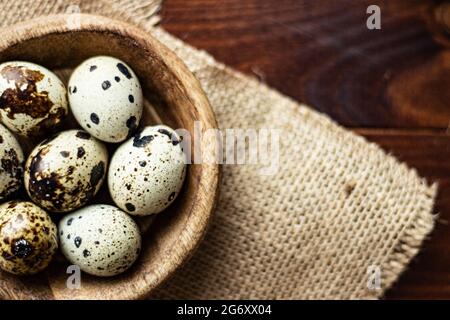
{"type": "Point", "coordinates": [177, 98]}
{"type": "Point", "coordinates": [390, 85]}
{"type": "Point", "coordinates": [321, 53]}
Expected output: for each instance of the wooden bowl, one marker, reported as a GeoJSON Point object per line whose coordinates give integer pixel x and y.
{"type": "Point", "coordinates": [178, 100]}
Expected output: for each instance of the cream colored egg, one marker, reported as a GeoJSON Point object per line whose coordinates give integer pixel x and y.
{"type": "Point", "coordinates": [33, 99]}
{"type": "Point", "coordinates": [101, 239]}
{"type": "Point", "coordinates": [147, 172]}
{"type": "Point", "coordinates": [65, 171]}
{"type": "Point", "coordinates": [11, 163]}
{"type": "Point", "coordinates": [106, 98]}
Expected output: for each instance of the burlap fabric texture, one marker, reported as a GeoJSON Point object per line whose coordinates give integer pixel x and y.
{"type": "Point", "coordinates": [337, 210]}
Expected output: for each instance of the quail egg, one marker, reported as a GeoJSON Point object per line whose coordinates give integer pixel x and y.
{"type": "Point", "coordinates": [65, 171]}
{"type": "Point", "coordinates": [146, 172]}
{"type": "Point", "coordinates": [32, 98]}
{"type": "Point", "coordinates": [28, 238]}
{"type": "Point", "coordinates": [106, 98]}
{"type": "Point", "coordinates": [101, 239]}
{"type": "Point", "coordinates": [11, 163]}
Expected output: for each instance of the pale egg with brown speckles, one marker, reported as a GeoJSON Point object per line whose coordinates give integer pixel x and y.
{"type": "Point", "coordinates": [65, 171]}
{"type": "Point", "coordinates": [101, 239]}
{"type": "Point", "coordinates": [28, 238]}
{"type": "Point", "coordinates": [147, 172]}
{"type": "Point", "coordinates": [11, 163]}
{"type": "Point", "coordinates": [33, 99]}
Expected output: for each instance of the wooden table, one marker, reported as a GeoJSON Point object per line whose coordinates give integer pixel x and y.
{"type": "Point", "coordinates": [390, 85]}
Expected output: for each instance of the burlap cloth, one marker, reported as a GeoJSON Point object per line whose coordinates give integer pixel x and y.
{"type": "Point", "coordinates": [339, 210]}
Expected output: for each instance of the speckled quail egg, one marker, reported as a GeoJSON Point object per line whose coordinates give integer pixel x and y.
{"type": "Point", "coordinates": [106, 98]}
{"type": "Point", "coordinates": [11, 163]}
{"type": "Point", "coordinates": [28, 238]}
{"type": "Point", "coordinates": [65, 171]}
{"type": "Point", "coordinates": [32, 98]}
{"type": "Point", "coordinates": [101, 239]}
{"type": "Point", "coordinates": [146, 172]}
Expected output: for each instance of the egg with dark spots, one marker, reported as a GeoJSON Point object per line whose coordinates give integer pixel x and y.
{"type": "Point", "coordinates": [105, 242]}
{"type": "Point", "coordinates": [66, 172]}
{"type": "Point", "coordinates": [146, 172]}
{"type": "Point", "coordinates": [109, 102]}
{"type": "Point", "coordinates": [28, 238]}
{"type": "Point", "coordinates": [33, 100]}
{"type": "Point", "coordinates": [11, 164]}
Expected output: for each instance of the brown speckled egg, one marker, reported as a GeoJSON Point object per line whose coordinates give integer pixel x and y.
{"type": "Point", "coordinates": [146, 172]}
{"type": "Point", "coordinates": [28, 238]}
{"type": "Point", "coordinates": [32, 98]}
{"type": "Point", "coordinates": [11, 163]}
{"type": "Point", "coordinates": [101, 239]}
{"type": "Point", "coordinates": [64, 172]}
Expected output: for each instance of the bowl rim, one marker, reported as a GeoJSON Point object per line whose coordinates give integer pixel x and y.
{"type": "Point", "coordinates": [194, 231]}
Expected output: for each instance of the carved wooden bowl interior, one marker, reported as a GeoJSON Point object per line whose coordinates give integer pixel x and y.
{"type": "Point", "coordinates": [174, 97]}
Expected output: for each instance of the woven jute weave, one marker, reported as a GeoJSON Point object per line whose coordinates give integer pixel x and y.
{"type": "Point", "coordinates": [337, 211]}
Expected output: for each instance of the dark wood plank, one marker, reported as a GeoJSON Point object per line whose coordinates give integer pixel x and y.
{"type": "Point", "coordinates": [428, 276]}
{"type": "Point", "coordinates": [321, 53]}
